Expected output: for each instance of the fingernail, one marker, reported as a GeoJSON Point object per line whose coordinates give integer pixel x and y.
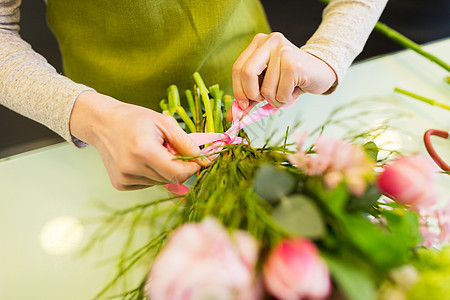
{"type": "Point", "coordinates": [204, 161]}
{"type": "Point", "coordinates": [243, 104]}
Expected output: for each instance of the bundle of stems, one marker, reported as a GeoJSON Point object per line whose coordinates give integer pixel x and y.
{"type": "Point", "coordinates": [206, 106]}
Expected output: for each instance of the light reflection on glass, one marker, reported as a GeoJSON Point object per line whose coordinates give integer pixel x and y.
{"type": "Point", "coordinates": [61, 235]}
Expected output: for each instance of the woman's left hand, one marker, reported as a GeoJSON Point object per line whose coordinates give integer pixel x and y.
{"type": "Point", "coordinates": [285, 71]}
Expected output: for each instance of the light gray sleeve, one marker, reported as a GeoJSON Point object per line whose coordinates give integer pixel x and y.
{"type": "Point", "coordinates": [345, 28]}
{"type": "Point", "coordinates": [29, 85]}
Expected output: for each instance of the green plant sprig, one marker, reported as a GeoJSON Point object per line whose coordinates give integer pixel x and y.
{"type": "Point", "coordinates": [408, 43]}
{"type": "Point", "coordinates": [422, 98]}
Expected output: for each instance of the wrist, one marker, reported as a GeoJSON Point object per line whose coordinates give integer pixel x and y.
{"type": "Point", "coordinates": [87, 115]}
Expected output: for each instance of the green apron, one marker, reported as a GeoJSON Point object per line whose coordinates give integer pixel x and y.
{"type": "Point", "coordinates": [133, 50]}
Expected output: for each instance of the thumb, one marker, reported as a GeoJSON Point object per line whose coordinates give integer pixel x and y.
{"type": "Point", "coordinates": [184, 145]}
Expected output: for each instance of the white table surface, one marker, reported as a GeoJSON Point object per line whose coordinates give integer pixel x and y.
{"type": "Point", "coordinates": [39, 186]}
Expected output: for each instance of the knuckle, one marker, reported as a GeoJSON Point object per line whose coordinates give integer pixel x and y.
{"type": "Point", "coordinates": [285, 50]}
{"type": "Point", "coordinates": [118, 186]}
{"type": "Point", "coordinates": [281, 98]}
{"type": "Point", "coordinates": [248, 73]}
{"type": "Point", "coordinates": [125, 168]}
{"type": "Point", "coordinates": [168, 121]}
{"type": "Point", "coordinates": [292, 68]}
{"type": "Point", "coordinates": [259, 36]}
{"type": "Point", "coordinates": [267, 92]}
{"type": "Point", "coordinates": [276, 37]}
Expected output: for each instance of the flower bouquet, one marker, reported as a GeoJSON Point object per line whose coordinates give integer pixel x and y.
{"type": "Point", "coordinates": [323, 220]}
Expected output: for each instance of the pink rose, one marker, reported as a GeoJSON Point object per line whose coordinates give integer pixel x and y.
{"type": "Point", "coordinates": [294, 270]}
{"type": "Point", "coordinates": [410, 180]}
{"type": "Point", "coordinates": [202, 261]}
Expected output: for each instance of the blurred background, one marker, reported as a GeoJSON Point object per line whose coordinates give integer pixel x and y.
{"type": "Point", "coordinates": [422, 21]}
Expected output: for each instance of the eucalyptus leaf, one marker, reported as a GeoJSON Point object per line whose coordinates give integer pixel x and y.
{"type": "Point", "coordinates": [367, 201]}
{"type": "Point", "coordinates": [271, 183]}
{"type": "Point", "coordinates": [371, 150]}
{"type": "Point", "coordinates": [298, 215]}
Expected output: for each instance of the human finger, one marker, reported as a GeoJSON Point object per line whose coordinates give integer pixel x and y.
{"type": "Point", "coordinates": [180, 141]}
{"type": "Point", "coordinates": [169, 167]}
{"type": "Point", "coordinates": [238, 90]}
{"type": "Point", "coordinates": [271, 79]}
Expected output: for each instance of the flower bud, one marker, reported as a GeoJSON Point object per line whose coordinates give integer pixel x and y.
{"type": "Point", "coordinates": [410, 180]}
{"type": "Point", "coordinates": [201, 261]}
{"type": "Point", "coordinates": [294, 270]}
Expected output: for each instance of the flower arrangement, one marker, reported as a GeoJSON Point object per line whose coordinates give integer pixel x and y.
{"type": "Point", "coordinates": [326, 221]}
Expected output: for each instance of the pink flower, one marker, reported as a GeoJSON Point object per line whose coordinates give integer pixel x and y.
{"type": "Point", "coordinates": [435, 224]}
{"type": "Point", "coordinates": [410, 180]}
{"type": "Point", "coordinates": [335, 160]}
{"type": "Point", "coordinates": [294, 270]}
{"type": "Point", "coordinates": [202, 261]}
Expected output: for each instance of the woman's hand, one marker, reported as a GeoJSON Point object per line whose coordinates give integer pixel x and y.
{"type": "Point", "coordinates": [285, 71]}
{"type": "Point", "coordinates": [131, 139]}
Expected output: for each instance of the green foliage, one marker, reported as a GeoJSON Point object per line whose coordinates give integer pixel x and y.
{"type": "Point", "coordinates": [272, 184]}
{"type": "Point", "coordinates": [298, 215]}
{"type": "Point", "coordinates": [371, 150]}
{"type": "Point", "coordinates": [434, 269]}
{"type": "Point", "coordinates": [258, 190]}
{"type": "Point", "coordinates": [355, 283]}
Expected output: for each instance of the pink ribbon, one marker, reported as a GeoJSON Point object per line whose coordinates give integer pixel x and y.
{"type": "Point", "coordinates": [218, 140]}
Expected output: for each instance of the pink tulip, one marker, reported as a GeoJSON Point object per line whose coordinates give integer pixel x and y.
{"type": "Point", "coordinates": [410, 180]}
{"type": "Point", "coordinates": [294, 270]}
{"type": "Point", "coordinates": [202, 261]}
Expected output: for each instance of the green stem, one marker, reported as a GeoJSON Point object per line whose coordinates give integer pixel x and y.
{"type": "Point", "coordinates": [218, 116]}
{"type": "Point", "coordinates": [205, 97]}
{"type": "Point", "coordinates": [198, 110]}
{"type": "Point", "coordinates": [164, 107]}
{"type": "Point", "coordinates": [182, 113]}
{"type": "Point", "coordinates": [227, 103]}
{"type": "Point", "coordinates": [407, 43]}
{"type": "Point", "coordinates": [163, 104]}
{"type": "Point", "coordinates": [174, 98]}
{"type": "Point", "coordinates": [423, 99]}
{"type": "Point", "coordinates": [191, 104]}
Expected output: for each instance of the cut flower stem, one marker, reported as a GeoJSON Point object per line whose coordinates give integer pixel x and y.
{"type": "Point", "coordinates": [422, 98]}
{"type": "Point", "coordinates": [407, 43]}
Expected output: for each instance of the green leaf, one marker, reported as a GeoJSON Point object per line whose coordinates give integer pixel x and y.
{"type": "Point", "coordinates": [298, 215]}
{"type": "Point", "coordinates": [353, 281]}
{"type": "Point", "coordinates": [375, 242]}
{"type": "Point", "coordinates": [335, 199]}
{"type": "Point", "coordinates": [404, 226]}
{"type": "Point", "coordinates": [371, 150]}
{"type": "Point", "coordinates": [272, 184]}
{"type": "Point", "coordinates": [366, 202]}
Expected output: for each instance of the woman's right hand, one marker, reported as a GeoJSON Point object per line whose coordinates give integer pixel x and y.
{"type": "Point", "coordinates": [131, 139]}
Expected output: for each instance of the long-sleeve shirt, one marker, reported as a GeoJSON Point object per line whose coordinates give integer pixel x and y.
{"type": "Point", "coordinates": [32, 87]}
